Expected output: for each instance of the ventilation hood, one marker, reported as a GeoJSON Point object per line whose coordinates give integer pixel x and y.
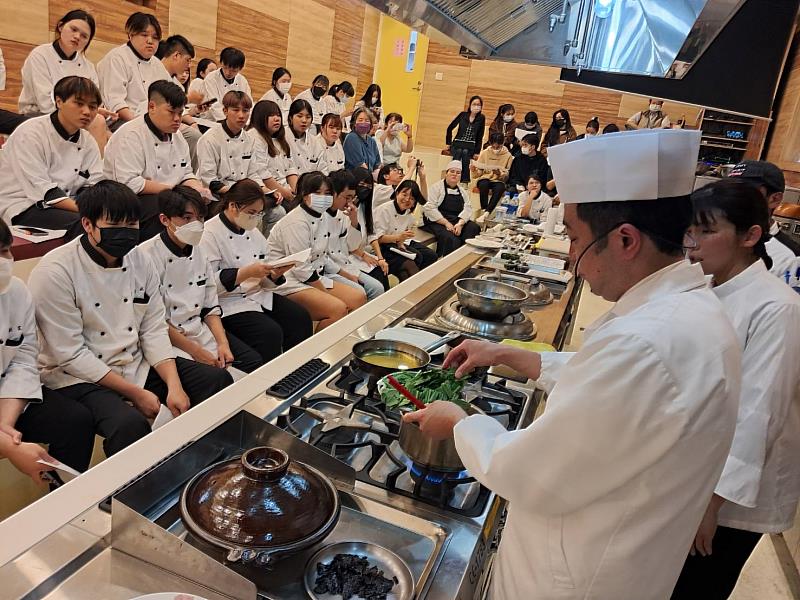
{"type": "Point", "coordinates": [658, 38]}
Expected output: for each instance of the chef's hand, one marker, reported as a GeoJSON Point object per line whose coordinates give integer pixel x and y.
{"type": "Point", "coordinates": [450, 227]}
{"type": "Point", "coordinates": [256, 270]}
{"type": "Point", "coordinates": [224, 355]}
{"type": "Point", "coordinates": [708, 527]}
{"type": "Point", "coordinates": [201, 355]}
{"type": "Point", "coordinates": [470, 354]}
{"type": "Point", "coordinates": [177, 401]}
{"type": "Point", "coordinates": [383, 265]}
{"type": "Point", "coordinates": [457, 228]}
{"type": "Point", "coordinates": [437, 420]}
{"type": "Point", "coordinates": [408, 234]}
{"type": "Point", "coordinates": [146, 402]}
{"type": "Point", "coordinates": [25, 458]}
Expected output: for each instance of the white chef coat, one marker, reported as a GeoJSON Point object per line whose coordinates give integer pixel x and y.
{"type": "Point", "coordinates": [93, 319]}
{"type": "Point", "coordinates": [356, 238]}
{"type": "Point", "coordinates": [41, 162]}
{"type": "Point", "coordinates": [216, 86]}
{"type": "Point", "coordinates": [305, 151]}
{"type": "Point", "coordinates": [436, 195]}
{"type": "Point", "coordinates": [381, 193]}
{"type": "Point", "coordinates": [783, 259]}
{"type": "Point", "coordinates": [344, 239]}
{"type": "Point", "coordinates": [388, 220]}
{"type": "Point", "coordinates": [2, 72]}
{"type": "Point", "coordinates": [19, 348]}
{"type": "Point", "coordinates": [188, 289]}
{"type": "Point", "coordinates": [317, 106]}
{"type": "Point", "coordinates": [330, 158]}
{"type": "Point", "coordinates": [42, 69]}
{"type": "Point", "coordinates": [197, 86]}
{"type": "Point", "coordinates": [279, 166]}
{"type": "Point", "coordinates": [283, 103]}
{"type": "Point", "coordinates": [608, 486]}
{"type": "Point", "coordinates": [228, 248]}
{"type": "Point", "coordinates": [761, 477]}
{"type": "Point", "coordinates": [226, 158]}
{"type": "Point", "coordinates": [539, 207]}
{"type": "Point", "coordinates": [139, 152]}
{"type": "Point", "coordinates": [300, 229]}
{"type": "Point", "coordinates": [125, 78]}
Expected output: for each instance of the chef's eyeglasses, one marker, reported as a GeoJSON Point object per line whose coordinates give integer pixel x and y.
{"type": "Point", "coordinates": [244, 210]}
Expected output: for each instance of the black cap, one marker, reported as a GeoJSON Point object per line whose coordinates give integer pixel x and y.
{"type": "Point", "coordinates": [760, 172]}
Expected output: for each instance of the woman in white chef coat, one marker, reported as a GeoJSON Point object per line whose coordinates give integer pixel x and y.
{"type": "Point", "coordinates": [760, 484]}
{"type": "Point", "coordinates": [362, 230]}
{"type": "Point", "coordinates": [337, 98]}
{"type": "Point", "coordinates": [127, 71]}
{"type": "Point", "coordinates": [315, 97]}
{"type": "Point", "coordinates": [49, 63]}
{"type": "Point", "coordinates": [228, 78]}
{"type": "Point", "coordinates": [607, 487]}
{"type": "Point", "coordinates": [329, 147]}
{"type": "Point", "coordinates": [311, 226]}
{"type": "Point", "coordinates": [279, 92]}
{"type": "Point", "coordinates": [26, 417]}
{"type": "Point", "coordinates": [448, 212]}
{"type": "Point", "coordinates": [391, 174]}
{"type": "Point", "coordinates": [196, 86]}
{"type": "Point", "coordinates": [534, 202]}
{"type": "Point", "coordinates": [301, 137]}
{"type": "Point", "coordinates": [394, 229]}
{"type": "Point", "coordinates": [267, 322]}
{"type": "Point", "coordinates": [48, 161]}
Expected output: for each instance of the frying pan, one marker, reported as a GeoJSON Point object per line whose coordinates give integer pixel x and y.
{"type": "Point", "coordinates": [416, 356]}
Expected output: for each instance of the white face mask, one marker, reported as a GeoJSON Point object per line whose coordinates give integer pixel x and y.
{"type": "Point", "coordinates": [374, 100]}
{"type": "Point", "coordinates": [6, 265]}
{"type": "Point", "coordinates": [344, 99]}
{"type": "Point", "coordinates": [526, 150]}
{"type": "Point", "coordinates": [320, 202]}
{"type": "Point", "coordinates": [284, 87]}
{"type": "Point", "coordinates": [655, 107]}
{"type": "Point", "coordinates": [248, 222]}
{"type": "Point", "coordinates": [508, 118]}
{"type": "Point", "coordinates": [190, 233]}
{"type": "Point", "coordinates": [475, 109]}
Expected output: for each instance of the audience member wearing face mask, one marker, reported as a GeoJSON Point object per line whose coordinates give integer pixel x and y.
{"type": "Point", "coordinates": [278, 92]}
{"type": "Point", "coordinates": [592, 129]}
{"type": "Point", "coordinates": [529, 162]}
{"type": "Point", "coordinates": [315, 96]}
{"type": "Point", "coordinates": [491, 176]}
{"type": "Point", "coordinates": [505, 124]}
{"type": "Point", "coordinates": [529, 125]}
{"type": "Point", "coordinates": [652, 118]}
{"type": "Point", "coordinates": [372, 101]}
{"type": "Point", "coordinates": [466, 145]}
{"type": "Point", "coordinates": [561, 130]}
{"type": "Point", "coordinates": [360, 148]}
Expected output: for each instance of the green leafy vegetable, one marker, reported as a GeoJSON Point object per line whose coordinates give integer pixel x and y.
{"type": "Point", "coordinates": [427, 385]}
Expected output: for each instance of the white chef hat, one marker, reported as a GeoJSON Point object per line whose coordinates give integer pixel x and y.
{"type": "Point", "coordinates": [454, 164]}
{"type": "Point", "coordinates": [633, 165]}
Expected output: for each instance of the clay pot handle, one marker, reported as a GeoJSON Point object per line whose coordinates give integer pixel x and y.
{"type": "Point", "coordinates": [265, 463]}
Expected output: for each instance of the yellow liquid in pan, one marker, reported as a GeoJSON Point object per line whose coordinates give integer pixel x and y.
{"type": "Point", "coordinates": [391, 360]}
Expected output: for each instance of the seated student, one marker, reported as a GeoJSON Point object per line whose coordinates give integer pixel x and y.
{"type": "Point", "coordinates": [492, 180]}
{"type": "Point", "coordinates": [228, 78]}
{"type": "Point", "coordinates": [371, 100]}
{"type": "Point", "coordinates": [9, 121]}
{"type": "Point", "coordinates": [147, 156]}
{"type": "Point", "coordinates": [353, 271]}
{"type": "Point", "coordinates": [360, 148]}
{"type": "Point", "coordinates": [611, 128]}
{"type": "Point", "coordinates": [237, 251]}
{"type": "Point", "coordinates": [188, 286]}
{"type": "Point", "coordinates": [394, 228]}
{"type": "Point", "coordinates": [592, 129]}
{"type": "Point", "coordinates": [102, 325]}
{"type": "Point", "coordinates": [534, 202]}
{"type": "Point", "coordinates": [314, 96]}
{"type": "Point", "coordinates": [49, 160]}
{"type": "Point", "coordinates": [329, 148]}
{"type": "Point", "coordinates": [279, 92]}
{"type": "Point", "coordinates": [391, 174]}
{"type": "Point", "coordinates": [505, 125]}
{"type": "Point", "coordinates": [448, 212]}
{"type": "Point", "coordinates": [226, 153]}
{"type": "Point", "coordinates": [362, 230]}
{"type": "Point", "coordinates": [529, 125]}
{"type": "Point", "coordinates": [127, 71]}
{"type": "Point", "coordinates": [390, 140]}
{"type": "Point", "coordinates": [301, 137]}
{"type": "Point", "coordinates": [311, 225]}
{"type": "Point", "coordinates": [26, 418]}
{"type": "Point", "coordinates": [336, 101]}
{"type": "Point", "coordinates": [529, 162]}
{"type": "Point", "coordinates": [196, 86]}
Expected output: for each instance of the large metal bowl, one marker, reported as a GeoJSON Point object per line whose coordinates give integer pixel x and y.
{"type": "Point", "coordinates": [492, 300]}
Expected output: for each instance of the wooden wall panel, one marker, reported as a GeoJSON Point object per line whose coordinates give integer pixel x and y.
{"type": "Point", "coordinates": [786, 126]}
{"type": "Point", "coordinates": [347, 36]}
{"type": "Point", "coordinates": [183, 20]}
{"type": "Point", "coordinates": [14, 54]}
{"type": "Point", "coordinates": [583, 103]}
{"type": "Point", "coordinates": [276, 10]}
{"type": "Point", "coordinates": [515, 77]}
{"type": "Point", "coordinates": [24, 21]}
{"type": "Point", "coordinates": [442, 54]}
{"type": "Point", "coordinates": [365, 73]}
{"type": "Point", "coordinates": [441, 101]}
{"type": "Point", "coordinates": [310, 41]}
{"type": "Point", "coordinates": [544, 105]}
{"type": "Point", "coordinates": [369, 36]}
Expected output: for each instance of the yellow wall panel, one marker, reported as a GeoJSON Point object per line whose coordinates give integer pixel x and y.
{"type": "Point", "coordinates": [310, 40]}
{"type": "Point", "coordinates": [516, 77]}
{"type": "Point", "coordinates": [183, 20]}
{"type": "Point", "coordinates": [25, 22]}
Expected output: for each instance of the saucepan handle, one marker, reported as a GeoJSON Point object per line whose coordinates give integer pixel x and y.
{"type": "Point", "coordinates": [442, 341]}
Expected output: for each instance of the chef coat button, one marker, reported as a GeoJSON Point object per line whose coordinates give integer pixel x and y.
{"type": "Point", "coordinates": [169, 285]}
{"type": "Point", "coordinates": [190, 258]}
{"type": "Point", "coordinates": [237, 258]}
{"type": "Point", "coordinates": [173, 166]}
{"type": "Point", "coordinates": [196, 305]}
{"type": "Point", "coordinates": [99, 356]}
{"type": "Point", "coordinates": [96, 304]}
{"type": "Point", "coordinates": [247, 237]}
{"type": "Point", "coordinates": [230, 237]}
{"type": "Point", "coordinates": [102, 333]}
{"type": "Point", "coordinates": [79, 147]}
{"type": "Point", "coordinates": [169, 260]}
{"type": "Point", "coordinates": [130, 328]}
{"type": "Point", "coordinates": [76, 170]}
{"type": "Point", "coordinates": [158, 167]}
{"type": "Point", "coordinates": [124, 269]}
{"type": "Point", "coordinates": [124, 299]}
{"type": "Point", "coordinates": [174, 308]}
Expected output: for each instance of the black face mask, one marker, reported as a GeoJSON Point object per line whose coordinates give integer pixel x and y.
{"type": "Point", "coordinates": [318, 92]}
{"type": "Point", "coordinates": [560, 122]}
{"type": "Point", "coordinates": [363, 193]}
{"type": "Point", "coordinates": [117, 241]}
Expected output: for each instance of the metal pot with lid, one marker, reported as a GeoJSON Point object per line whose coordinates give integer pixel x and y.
{"type": "Point", "coordinates": [260, 505]}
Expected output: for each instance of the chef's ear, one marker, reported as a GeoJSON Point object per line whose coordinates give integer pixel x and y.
{"type": "Point", "coordinates": [630, 237]}
{"type": "Point", "coordinates": [164, 220]}
{"type": "Point", "coordinates": [87, 225]}
{"type": "Point", "coordinates": [752, 236]}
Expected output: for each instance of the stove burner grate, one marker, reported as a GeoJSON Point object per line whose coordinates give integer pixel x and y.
{"type": "Point", "coordinates": [516, 326]}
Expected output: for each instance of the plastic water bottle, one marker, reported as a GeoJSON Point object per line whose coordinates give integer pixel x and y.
{"type": "Point", "coordinates": [501, 212]}
{"type": "Point", "coordinates": [515, 205]}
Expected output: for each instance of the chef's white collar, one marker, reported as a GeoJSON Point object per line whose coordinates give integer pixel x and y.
{"type": "Point", "coordinates": [741, 280]}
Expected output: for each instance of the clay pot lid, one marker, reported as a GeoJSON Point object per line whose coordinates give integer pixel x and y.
{"type": "Point", "coordinates": [261, 499]}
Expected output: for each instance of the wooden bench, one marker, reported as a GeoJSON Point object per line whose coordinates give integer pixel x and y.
{"type": "Point", "coordinates": [24, 250]}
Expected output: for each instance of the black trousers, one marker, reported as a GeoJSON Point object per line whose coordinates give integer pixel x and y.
{"type": "Point", "coordinates": [149, 225]}
{"type": "Point", "coordinates": [378, 274]}
{"type": "Point", "coordinates": [244, 357]}
{"type": "Point", "coordinates": [9, 121]}
{"type": "Point", "coordinates": [51, 218]}
{"type": "Point", "coordinates": [463, 151]}
{"type": "Point", "coordinates": [424, 257]}
{"type": "Point", "coordinates": [496, 188]}
{"type": "Point", "coordinates": [271, 332]}
{"type": "Point", "coordinates": [714, 577]}
{"type": "Point", "coordinates": [446, 241]}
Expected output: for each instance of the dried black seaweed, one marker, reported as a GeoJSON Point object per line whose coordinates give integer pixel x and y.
{"type": "Point", "coordinates": [350, 575]}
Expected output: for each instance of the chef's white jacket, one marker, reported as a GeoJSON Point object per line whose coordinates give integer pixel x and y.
{"type": "Point", "coordinates": [388, 220]}
{"type": "Point", "coordinates": [19, 348]}
{"type": "Point", "coordinates": [139, 152]}
{"type": "Point", "coordinates": [225, 158]}
{"type": "Point", "coordinates": [125, 78]}
{"type": "Point", "coordinates": [306, 154]}
{"type": "Point", "coordinates": [94, 319]}
{"type": "Point", "coordinates": [41, 162]}
{"type": "Point", "coordinates": [42, 69]}
{"type": "Point", "coordinates": [330, 158]}
{"type": "Point", "coordinates": [300, 229]}
{"type": "Point", "coordinates": [539, 206]}
{"type": "Point", "coordinates": [355, 238]}
{"type": "Point", "coordinates": [283, 103]}
{"type": "Point", "coordinates": [216, 86]}
{"type": "Point", "coordinates": [436, 195]}
{"type": "Point", "coordinates": [279, 166]}
{"type": "Point", "coordinates": [228, 248]}
{"type": "Point", "coordinates": [783, 259]}
{"type": "Point", "coordinates": [317, 106]}
{"type": "Point", "coordinates": [761, 478]}
{"type": "Point", "coordinates": [381, 194]}
{"type": "Point", "coordinates": [608, 486]}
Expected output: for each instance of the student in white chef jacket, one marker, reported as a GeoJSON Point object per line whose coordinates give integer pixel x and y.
{"type": "Point", "coordinates": [237, 251]}
{"type": "Point", "coordinates": [228, 78]}
{"type": "Point", "coordinates": [335, 102]}
{"type": "Point", "coordinates": [26, 417]}
{"type": "Point", "coordinates": [302, 139]}
{"type": "Point", "coordinates": [760, 484]}
{"type": "Point", "coordinates": [315, 97]}
{"type": "Point", "coordinates": [347, 236]}
{"type": "Point", "coordinates": [279, 92]}
{"type": "Point", "coordinates": [606, 488]}
{"type": "Point", "coordinates": [448, 212]}
{"type": "Point", "coordinates": [188, 286]}
{"type": "Point", "coordinates": [226, 153]}
{"type": "Point", "coordinates": [311, 226]}
{"type": "Point", "coordinates": [534, 202]}
{"type": "Point", "coordinates": [329, 151]}
{"type": "Point", "coordinates": [127, 71]}
{"type": "Point", "coordinates": [147, 156]}
{"type": "Point", "coordinates": [391, 174]}
{"type": "Point", "coordinates": [363, 254]}
{"type": "Point", "coordinates": [196, 89]}
{"type": "Point", "coordinates": [102, 325]}
{"type": "Point", "coordinates": [49, 160]}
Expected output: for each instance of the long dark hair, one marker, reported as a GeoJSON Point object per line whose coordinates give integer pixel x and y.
{"type": "Point", "coordinates": [503, 109]}
{"type": "Point", "coordinates": [258, 121]}
{"type": "Point", "coordinates": [416, 193]}
{"type": "Point", "coordinates": [555, 130]}
{"type": "Point", "coordinates": [738, 202]}
{"type": "Point", "coordinates": [312, 182]}
{"type": "Point", "coordinates": [345, 87]}
{"type": "Point", "coordinates": [363, 177]}
{"type": "Point", "coordinates": [298, 106]}
{"type": "Point", "coordinates": [77, 15]}
{"type": "Point", "coordinates": [243, 193]}
{"type": "Point", "coordinates": [277, 74]}
{"type": "Point", "coordinates": [367, 97]}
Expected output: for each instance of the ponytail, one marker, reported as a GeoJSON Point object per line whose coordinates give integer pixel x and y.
{"type": "Point", "coordinates": [760, 250]}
